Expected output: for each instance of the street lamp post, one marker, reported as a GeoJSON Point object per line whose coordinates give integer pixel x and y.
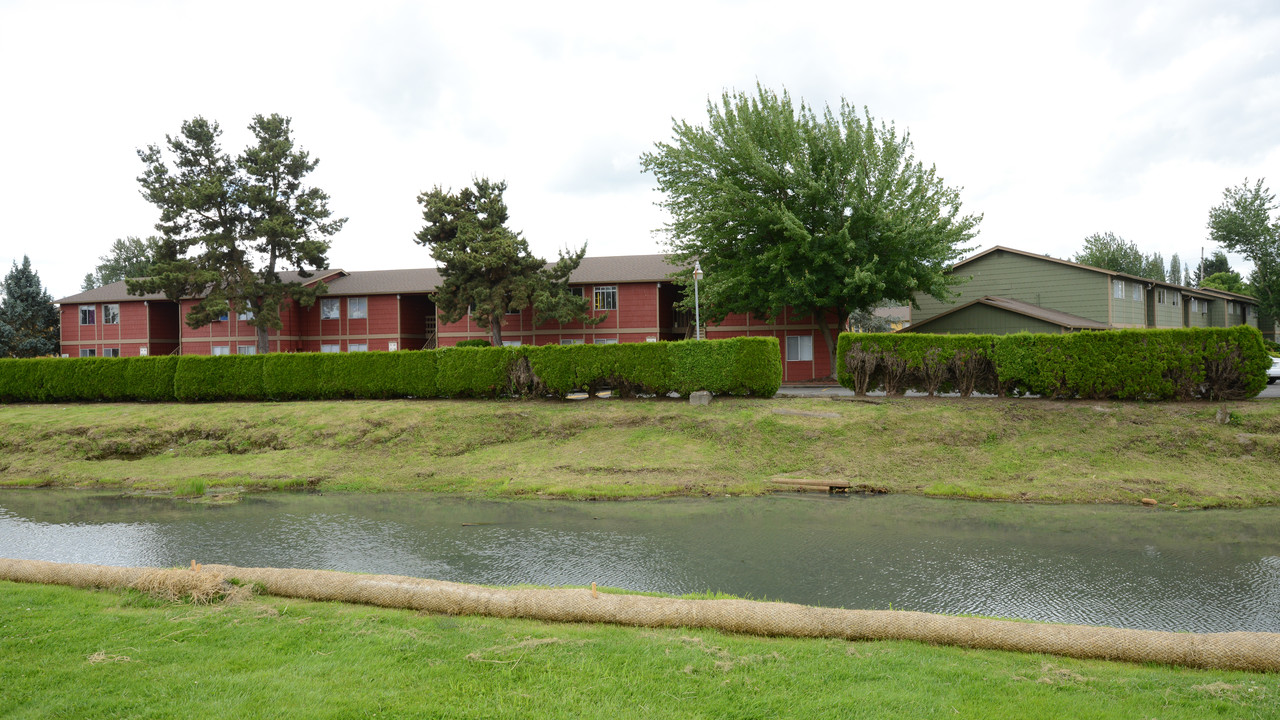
{"type": "Point", "coordinates": [697, 309]}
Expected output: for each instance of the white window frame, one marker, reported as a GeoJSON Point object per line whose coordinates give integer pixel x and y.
{"type": "Point", "coordinates": [572, 341]}
{"type": "Point", "coordinates": [604, 341]}
{"type": "Point", "coordinates": [511, 343]}
{"type": "Point", "coordinates": [110, 314]}
{"type": "Point", "coordinates": [220, 350]}
{"type": "Point", "coordinates": [392, 346]}
{"type": "Point", "coordinates": [88, 352]}
{"type": "Point", "coordinates": [357, 347]}
{"type": "Point", "coordinates": [90, 312]}
{"type": "Point", "coordinates": [246, 315]}
{"type": "Point", "coordinates": [577, 291]}
{"type": "Point", "coordinates": [330, 347]}
{"type": "Point", "coordinates": [111, 352]}
{"type": "Point", "coordinates": [357, 308]}
{"type": "Point", "coordinates": [330, 309]}
{"type": "Point", "coordinates": [802, 346]}
{"type": "Point", "coordinates": [1137, 292]}
{"type": "Point", "coordinates": [604, 297]}
{"type": "Point", "coordinates": [246, 349]}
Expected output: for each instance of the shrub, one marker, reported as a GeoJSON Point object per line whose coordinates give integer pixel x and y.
{"type": "Point", "coordinates": [1211, 363]}
{"type": "Point", "coordinates": [201, 378]}
{"type": "Point", "coordinates": [474, 343]}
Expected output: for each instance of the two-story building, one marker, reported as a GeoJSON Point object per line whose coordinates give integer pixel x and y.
{"type": "Point", "coordinates": [1006, 291]}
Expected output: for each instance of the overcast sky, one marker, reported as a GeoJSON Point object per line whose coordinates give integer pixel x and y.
{"type": "Point", "coordinates": [1057, 119]}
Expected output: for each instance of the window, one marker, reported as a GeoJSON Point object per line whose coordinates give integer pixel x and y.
{"type": "Point", "coordinates": [329, 309]}
{"type": "Point", "coordinates": [571, 341]}
{"type": "Point", "coordinates": [392, 346]}
{"type": "Point", "coordinates": [511, 343]}
{"type": "Point", "coordinates": [111, 314]}
{"type": "Point", "coordinates": [605, 341]}
{"type": "Point", "coordinates": [357, 308]}
{"type": "Point", "coordinates": [110, 352]}
{"type": "Point", "coordinates": [222, 317]}
{"type": "Point", "coordinates": [87, 317]}
{"type": "Point", "coordinates": [513, 312]}
{"type": "Point", "coordinates": [1117, 289]}
{"type": "Point", "coordinates": [358, 347]}
{"type": "Point", "coordinates": [143, 352]}
{"type": "Point", "coordinates": [88, 352]}
{"type": "Point", "coordinates": [221, 349]}
{"type": "Point", "coordinates": [1137, 291]}
{"type": "Point", "coordinates": [1175, 299]}
{"type": "Point", "coordinates": [800, 347]}
{"type": "Point", "coordinates": [1231, 307]}
{"type": "Point", "coordinates": [330, 347]}
{"type": "Point", "coordinates": [246, 315]}
{"type": "Point", "coordinates": [246, 349]}
{"type": "Point", "coordinates": [606, 297]}
{"type": "Point", "coordinates": [575, 291]}
{"type": "Point", "coordinates": [1160, 296]}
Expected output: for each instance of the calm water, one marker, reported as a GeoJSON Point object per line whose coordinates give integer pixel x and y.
{"type": "Point", "coordinates": [1207, 571]}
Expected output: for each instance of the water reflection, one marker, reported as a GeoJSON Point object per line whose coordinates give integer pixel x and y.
{"type": "Point", "coordinates": [1128, 567]}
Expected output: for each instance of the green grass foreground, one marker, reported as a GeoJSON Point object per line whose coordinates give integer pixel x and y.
{"type": "Point", "coordinates": [999, 449]}
{"type": "Point", "coordinates": [104, 654]}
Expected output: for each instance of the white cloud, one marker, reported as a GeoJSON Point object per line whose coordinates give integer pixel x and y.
{"type": "Point", "coordinates": [1058, 121]}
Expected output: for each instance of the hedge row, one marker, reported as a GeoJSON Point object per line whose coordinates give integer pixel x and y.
{"type": "Point", "coordinates": [738, 366]}
{"type": "Point", "coordinates": [1183, 364]}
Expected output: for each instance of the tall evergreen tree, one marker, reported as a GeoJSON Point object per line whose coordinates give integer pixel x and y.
{"type": "Point", "coordinates": [784, 207]}
{"type": "Point", "coordinates": [1175, 269]}
{"type": "Point", "coordinates": [28, 317]}
{"type": "Point", "coordinates": [486, 269]}
{"type": "Point", "coordinates": [130, 257]}
{"type": "Point", "coordinates": [230, 226]}
{"type": "Point", "coordinates": [1212, 265]}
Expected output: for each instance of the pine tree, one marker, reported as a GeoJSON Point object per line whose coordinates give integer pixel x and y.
{"type": "Point", "coordinates": [486, 269]}
{"type": "Point", "coordinates": [28, 317]}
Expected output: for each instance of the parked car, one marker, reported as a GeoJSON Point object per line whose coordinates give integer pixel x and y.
{"type": "Point", "coordinates": [1274, 373]}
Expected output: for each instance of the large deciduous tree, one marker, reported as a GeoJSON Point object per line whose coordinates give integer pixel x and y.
{"type": "Point", "coordinates": [487, 269]}
{"type": "Point", "coordinates": [1112, 252]}
{"type": "Point", "coordinates": [784, 207]}
{"type": "Point", "coordinates": [129, 257]}
{"type": "Point", "coordinates": [28, 317]}
{"type": "Point", "coordinates": [1215, 264]}
{"type": "Point", "coordinates": [230, 226]}
{"type": "Point", "coordinates": [1247, 222]}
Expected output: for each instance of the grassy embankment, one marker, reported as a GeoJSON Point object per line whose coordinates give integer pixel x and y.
{"type": "Point", "coordinates": [1001, 449]}
{"type": "Point", "coordinates": [78, 653]}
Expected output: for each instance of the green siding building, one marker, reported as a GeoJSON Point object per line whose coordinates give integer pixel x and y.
{"type": "Point", "coordinates": [1006, 291]}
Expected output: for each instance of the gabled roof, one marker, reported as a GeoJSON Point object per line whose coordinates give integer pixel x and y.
{"type": "Point", "coordinates": [385, 282]}
{"type": "Point", "coordinates": [624, 268]}
{"type": "Point", "coordinates": [118, 292]}
{"type": "Point", "coordinates": [1055, 317]}
{"type": "Point", "coordinates": [1195, 292]}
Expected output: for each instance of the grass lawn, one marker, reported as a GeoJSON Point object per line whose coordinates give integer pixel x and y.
{"type": "Point", "coordinates": [105, 654]}
{"type": "Point", "coordinates": [1001, 449]}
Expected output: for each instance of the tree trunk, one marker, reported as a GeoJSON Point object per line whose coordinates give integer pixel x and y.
{"type": "Point", "coordinates": [495, 331]}
{"type": "Point", "coordinates": [264, 345]}
{"type": "Point", "coordinates": [820, 315]}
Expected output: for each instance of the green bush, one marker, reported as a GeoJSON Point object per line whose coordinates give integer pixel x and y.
{"type": "Point", "coordinates": [739, 366]}
{"type": "Point", "coordinates": [203, 378]}
{"type": "Point", "coordinates": [1210, 363]}
{"type": "Point", "coordinates": [474, 343]}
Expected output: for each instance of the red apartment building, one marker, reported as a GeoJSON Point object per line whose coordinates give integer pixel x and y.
{"type": "Point", "coordinates": [394, 310]}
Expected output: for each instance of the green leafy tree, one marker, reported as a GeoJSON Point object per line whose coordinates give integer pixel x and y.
{"type": "Point", "coordinates": [487, 269]}
{"type": "Point", "coordinates": [28, 317]}
{"type": "Point", "coordinates": [1229, 281]}
{"type": "Point", "coordinates": [784, 207]}
{"type": "Point", "coordinates": [1112, 252]}
{"type": "Point", "coordinates": [1155, 267]}
{"type": "Point", "coordinates": [130, 257]}
{"type": "Point", "coordinates": [1247, 223]}
{"type": "Point", "coordinates": [1175, 269]}
{"type": "Point", "coordinates": [230, 226]}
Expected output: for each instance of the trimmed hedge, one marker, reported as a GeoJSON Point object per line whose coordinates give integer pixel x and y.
{"type": "Point", "coordinates": [739, 366]}
{"type": "Point", "coordinates": [1182, 364]}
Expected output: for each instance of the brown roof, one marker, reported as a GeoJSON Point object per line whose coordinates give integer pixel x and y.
{"type": "Point", "coordinates": [624, 268]}
{"type": "Point", "coordinates": [385, 282]}
{"type": "Point", "coordinates": [1056, 317]}
{"type": "Point", "coordinates": [615, 269]}
{"type": "Point", "coordinates": [117, 292]}
{"type": "Point", "coordinates": [1197, 292]}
